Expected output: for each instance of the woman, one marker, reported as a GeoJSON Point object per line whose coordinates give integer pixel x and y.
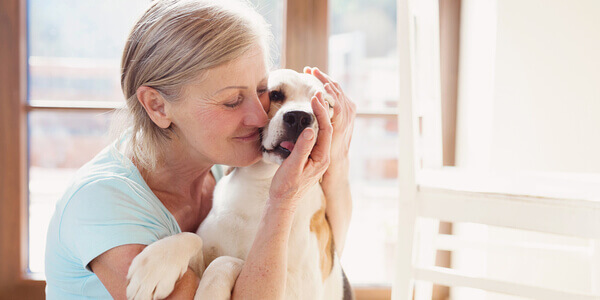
{"type": "Point", "coordinates": [194, 74]}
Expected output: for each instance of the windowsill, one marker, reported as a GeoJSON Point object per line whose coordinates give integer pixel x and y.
{"type": "Point", "coordinates": [37, 276]}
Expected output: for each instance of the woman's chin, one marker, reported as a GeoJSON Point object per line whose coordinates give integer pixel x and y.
{"type": "Point", "coordinates": [247, 161]}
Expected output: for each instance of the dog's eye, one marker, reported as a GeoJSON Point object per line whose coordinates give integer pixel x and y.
{"type": "Point", "coordinates": [276, 96]}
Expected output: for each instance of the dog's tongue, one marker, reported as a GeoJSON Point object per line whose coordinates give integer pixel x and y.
{"type": "Point", "coordinates": [287, 145]}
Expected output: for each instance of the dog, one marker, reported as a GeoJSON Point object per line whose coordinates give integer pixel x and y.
{"type": "Point", "coordinates": [226, 235]}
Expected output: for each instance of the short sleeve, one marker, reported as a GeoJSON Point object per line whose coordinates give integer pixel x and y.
{"type": "Point", "coordinates": [108, 213]}
{"type": "Point", "coordinates": [217, 171]}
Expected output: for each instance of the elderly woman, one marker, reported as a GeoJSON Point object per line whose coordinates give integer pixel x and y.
{"type": "Point", "coordinates": [194, 74]}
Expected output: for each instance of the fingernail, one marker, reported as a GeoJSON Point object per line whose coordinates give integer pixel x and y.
{"type": "Point", "coordinates": [308, 134]}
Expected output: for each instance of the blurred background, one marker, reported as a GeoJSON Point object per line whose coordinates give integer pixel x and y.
{"type": "Point", "coordinates": [507, 91]}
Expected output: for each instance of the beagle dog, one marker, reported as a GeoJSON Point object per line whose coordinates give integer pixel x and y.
{"type": "Point", "coordinates": [222, 243]}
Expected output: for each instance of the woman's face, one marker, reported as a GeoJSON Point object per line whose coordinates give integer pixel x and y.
{"type": "Point", "coordinates": [217, 120]}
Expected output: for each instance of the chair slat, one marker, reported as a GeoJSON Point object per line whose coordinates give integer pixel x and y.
{"type": "Point", "coordinates": [452, 278]}
{"type": "Point", "coordinates": [550, 215]}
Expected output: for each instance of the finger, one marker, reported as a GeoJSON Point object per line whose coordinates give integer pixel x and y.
{"type": "Point", "coordinates": [324, 75]}
{"type": "Point", "coordinates": [320, 152]}
{"type": "Point", "coordinates": [339, 101]}
{"type": "Point", "coordinates": [333, 89]}
{"type": "Point", "coordinates": [333, 92]}
{"type": "Point", "coordinates": [323, 102]}
{"type": "Point", "coordinates": [297, 159]}
{"type": "Point", "coordinates": [325, 78]}
{"type": "Point", "coordinates": [307, 70]}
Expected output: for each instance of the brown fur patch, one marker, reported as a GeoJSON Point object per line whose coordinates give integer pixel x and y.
{"type": "Point", "coordinates": [320, 226]}
{"type": "Point", "coordinates": [273, 109]}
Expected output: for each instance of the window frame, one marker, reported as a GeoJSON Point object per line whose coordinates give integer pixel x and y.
{"type": "Point", "coordinates": [14, 279]}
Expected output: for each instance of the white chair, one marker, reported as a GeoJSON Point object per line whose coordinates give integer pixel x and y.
{"type": "Point", "coordinates": [535, 202]}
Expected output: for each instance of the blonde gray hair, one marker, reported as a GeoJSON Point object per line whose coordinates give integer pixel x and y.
{"type": "Point", "coordinates": [174, 42]}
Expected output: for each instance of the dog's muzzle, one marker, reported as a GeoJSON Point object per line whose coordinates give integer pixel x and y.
{"type": "Point", "coordinates": [294, 122]}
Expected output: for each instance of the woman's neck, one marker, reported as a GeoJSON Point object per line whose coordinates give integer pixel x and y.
{"type": "Point", "coordinates": [184, 187]}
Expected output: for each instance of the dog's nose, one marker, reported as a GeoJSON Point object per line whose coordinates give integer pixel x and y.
{"type": "Point", "coordinates": [297, 120]}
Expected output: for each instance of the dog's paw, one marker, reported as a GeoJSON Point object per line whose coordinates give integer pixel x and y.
{"type": "Point", "coordinates": [219, 278]}
{"type": "Point", "coordinates": [154, 272]}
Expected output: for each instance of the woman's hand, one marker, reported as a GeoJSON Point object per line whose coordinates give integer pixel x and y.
{"type": "Point", "coordinates": [306, 164]}
{"type": "Point", "coordinates": [335, 184]}
{"type": "Point", "coordinates": [344, 113]}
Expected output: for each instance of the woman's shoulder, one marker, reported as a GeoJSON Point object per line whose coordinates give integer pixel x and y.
{"type": "Point", "coordinates": [110, 186]}
{"type": "Point", "coordinates": [109, 207]}
{"type": "Point", "coordinates": [104, 173]}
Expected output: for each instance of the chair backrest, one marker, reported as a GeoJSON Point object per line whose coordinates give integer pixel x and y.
{"type": "Point", "coordinates": [536, 202]}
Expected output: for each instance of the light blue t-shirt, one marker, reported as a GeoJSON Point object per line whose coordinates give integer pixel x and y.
{"type": "Point", "coordinates": [108, 204]}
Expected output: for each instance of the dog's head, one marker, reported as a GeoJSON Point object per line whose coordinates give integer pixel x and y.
{"type": "Point", "coordinates": [290, 113]}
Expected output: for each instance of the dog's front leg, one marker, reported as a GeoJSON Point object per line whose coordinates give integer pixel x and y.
{"type": "Point", "coordinates": [154, 272]}
{"type": "Point", "coordinates": [219, 278]}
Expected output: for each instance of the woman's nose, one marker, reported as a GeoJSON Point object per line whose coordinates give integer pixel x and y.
{"type": "Point", "coordinates": [257, 116]}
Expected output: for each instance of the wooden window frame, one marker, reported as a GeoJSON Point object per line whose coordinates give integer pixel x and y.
{"type": "Point", "coordinates": [15, 282]}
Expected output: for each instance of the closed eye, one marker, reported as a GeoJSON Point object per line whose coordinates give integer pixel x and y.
{"type": "Point", "coordinates": [261, 91]}
{"type": "Point", "coordinates": [233, 104]}
{"type": "Point", "coordinates": [276, 96]}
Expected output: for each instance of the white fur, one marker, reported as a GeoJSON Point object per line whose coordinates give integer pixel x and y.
{"type": "Point", "coordinates": [228, 231]}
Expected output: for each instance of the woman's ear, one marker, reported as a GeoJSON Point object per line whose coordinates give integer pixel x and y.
{"type": "Point", "coordinates": [154, 104]}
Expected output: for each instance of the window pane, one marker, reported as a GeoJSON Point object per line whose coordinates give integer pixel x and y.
{"type": "Point", "coordinates": [272, 11]}
{"type": "Point", "coordinates": [363, 58]}
{"type": "Point", "coordinates": [363, 52]}
{"type": "Point", "coordinates": [60, 143]}
{"type": "Point", "coordinates": [75, 46]}
{"type": "Point", "coordinates": [373, 176]}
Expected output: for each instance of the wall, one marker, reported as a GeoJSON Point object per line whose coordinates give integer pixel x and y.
{"type": "Point", "coordinates": [529, 101]}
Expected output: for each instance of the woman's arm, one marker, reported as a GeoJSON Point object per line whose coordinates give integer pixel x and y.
{"type": "Point", "coordinates": [111, 268]}
{"type": "Point", "coordinates": [336, 188]}
{"type": "Point", "coordinates": [335, 184]}
{"type": "Point", "coordinates": [264, 273]}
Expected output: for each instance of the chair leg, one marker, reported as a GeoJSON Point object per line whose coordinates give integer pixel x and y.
{"type": "Point", "coordinates": [595, 267]}
{"type": "Point", "coordinates": [427, 231]}
{"type": "Point", "coordinates": [403, 284]}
